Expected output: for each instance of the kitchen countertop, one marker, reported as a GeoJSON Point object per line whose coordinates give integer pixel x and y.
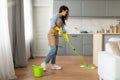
{"type": "Point", "coordinates": [106, 33]}
{"type": "Point", "coordinates": [81, 33]}
{"type": "Point", "coordinates": [93, 33]}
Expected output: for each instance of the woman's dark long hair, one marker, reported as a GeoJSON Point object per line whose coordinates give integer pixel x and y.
{"type": "Point", "coordinates": [63, 7]}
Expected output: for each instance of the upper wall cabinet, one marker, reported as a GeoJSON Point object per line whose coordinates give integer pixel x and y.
{"type": "Point", "coordinates": [57, 4]}
{"type": "Point", "coordinates": [113, 7]}
{"type": "Point", "coordinates": [75, 7]}
{"type": "Point", "coordinates": [94, 8]}
{"type": "Point", "coordinates": [97, 8]}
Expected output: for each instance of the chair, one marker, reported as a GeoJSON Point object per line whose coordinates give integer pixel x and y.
{"type": "Point", "coordinates": [108, 63]}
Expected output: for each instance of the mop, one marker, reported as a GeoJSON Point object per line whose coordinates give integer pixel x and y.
{"type": "Point", "coordinates": [65, 36]}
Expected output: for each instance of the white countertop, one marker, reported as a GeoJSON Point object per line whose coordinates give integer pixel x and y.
{"type": "Point", "coordinates": [80, 33]}
{"type": "Point", "coordinates": [105, 33]}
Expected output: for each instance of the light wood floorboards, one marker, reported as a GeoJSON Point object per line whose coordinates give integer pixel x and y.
{"type": "Point", "coordinates": [71, 70]}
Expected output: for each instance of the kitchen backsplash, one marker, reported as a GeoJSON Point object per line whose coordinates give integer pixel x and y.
{"type": "Point", "coordinates": [76, 24]}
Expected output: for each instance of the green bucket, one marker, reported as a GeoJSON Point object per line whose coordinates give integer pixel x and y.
{"type": "Point", "coordinates": [38, 71]}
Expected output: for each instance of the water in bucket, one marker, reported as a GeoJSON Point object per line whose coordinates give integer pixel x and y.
{"type": "Point", "coordinates": [37, 71]}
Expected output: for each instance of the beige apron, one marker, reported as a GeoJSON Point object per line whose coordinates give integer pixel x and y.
{"type": "Point", "coordinates": [53, 37]}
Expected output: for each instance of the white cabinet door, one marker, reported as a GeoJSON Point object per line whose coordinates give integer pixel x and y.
{"type": "Point", "coordinates": [113, 7]}
{"type": "Point", "coordinates": [41, 23]}
{"type": "Point", "coordinates": [57, 4]}
{"type": "Point", "coordinates": [94, 8]}
{"type": "Point", "coordinates": [75, 7]}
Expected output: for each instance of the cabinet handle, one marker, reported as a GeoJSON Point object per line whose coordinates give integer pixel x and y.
{"type": "Point", "coordinates": [60, 46]}
{"type": "Point", "coordinates": [74, 36]}
{"type": "Point", "coordinates": [60, 36]}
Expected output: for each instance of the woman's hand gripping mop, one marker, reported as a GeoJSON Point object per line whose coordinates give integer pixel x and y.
{"type": "Point", "coordinates": [65, 36]}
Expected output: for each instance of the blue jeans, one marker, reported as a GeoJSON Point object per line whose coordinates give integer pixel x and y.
{"type": "Point", "coordinates": [52, 55]}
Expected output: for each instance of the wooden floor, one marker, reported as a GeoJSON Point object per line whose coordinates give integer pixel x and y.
{"type": "Point", "coordinates": [71, 70]}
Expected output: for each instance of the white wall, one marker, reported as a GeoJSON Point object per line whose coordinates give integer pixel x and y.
{"type": "Point", "coordinates": [76, 24]}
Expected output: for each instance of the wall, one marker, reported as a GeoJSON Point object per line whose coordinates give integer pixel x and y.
{"type": "Point", "coordinates": [76, 24]}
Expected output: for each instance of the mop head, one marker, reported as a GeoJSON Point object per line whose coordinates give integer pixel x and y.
{"type": "Point", "coordinates": [87, 67]}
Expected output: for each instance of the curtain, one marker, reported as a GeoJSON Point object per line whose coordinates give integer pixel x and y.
{"type": "Point", "coordinates": [19, 52]}
{"type": "Point", "coordinates": [22, 33]}
{"type": "Point", "coordinates": [6, 60]}
{"type": "Point", "coordinates": [28, 28]}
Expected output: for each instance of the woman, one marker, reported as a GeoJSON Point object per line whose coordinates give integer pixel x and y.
{"type": "Point", "coordinates": [57, 20]}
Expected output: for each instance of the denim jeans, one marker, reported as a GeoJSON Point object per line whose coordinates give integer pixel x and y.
{"type": "Point", "coordinates": [51, 56]}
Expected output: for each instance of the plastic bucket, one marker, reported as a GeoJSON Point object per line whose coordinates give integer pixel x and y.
{"type": "Point", "coordinates": [37, 71]}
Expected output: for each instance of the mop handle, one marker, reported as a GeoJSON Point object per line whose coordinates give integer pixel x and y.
{"type": "Point", "coordinates": [65, 36]}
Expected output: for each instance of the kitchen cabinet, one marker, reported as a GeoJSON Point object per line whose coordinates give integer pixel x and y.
{"type": "Point", "coordinates": [90, 8]}
{"type": "Point", "coordinates": [113, 7]}
{"type": "Point", "coordinates": [57, 4]}
{"type": "Point", "coordinates": [76, 40]}
{"type": "Point", "coordinates": [87, 44]}
{"type": "Point", "coordinates": [61, 47]}
{"type": "Point", "coordinates": [82, 7]}
{"type": "Point", "coordinates": [93, 8]}
{"type": "Point", "coordinates": [99, 41]}
{"type": "Point", "coordinates": [75, 7]}
{"type": "Point", "coordinates": [87, 49]}
{"type": "Point", "coordinates": [83, 43]}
